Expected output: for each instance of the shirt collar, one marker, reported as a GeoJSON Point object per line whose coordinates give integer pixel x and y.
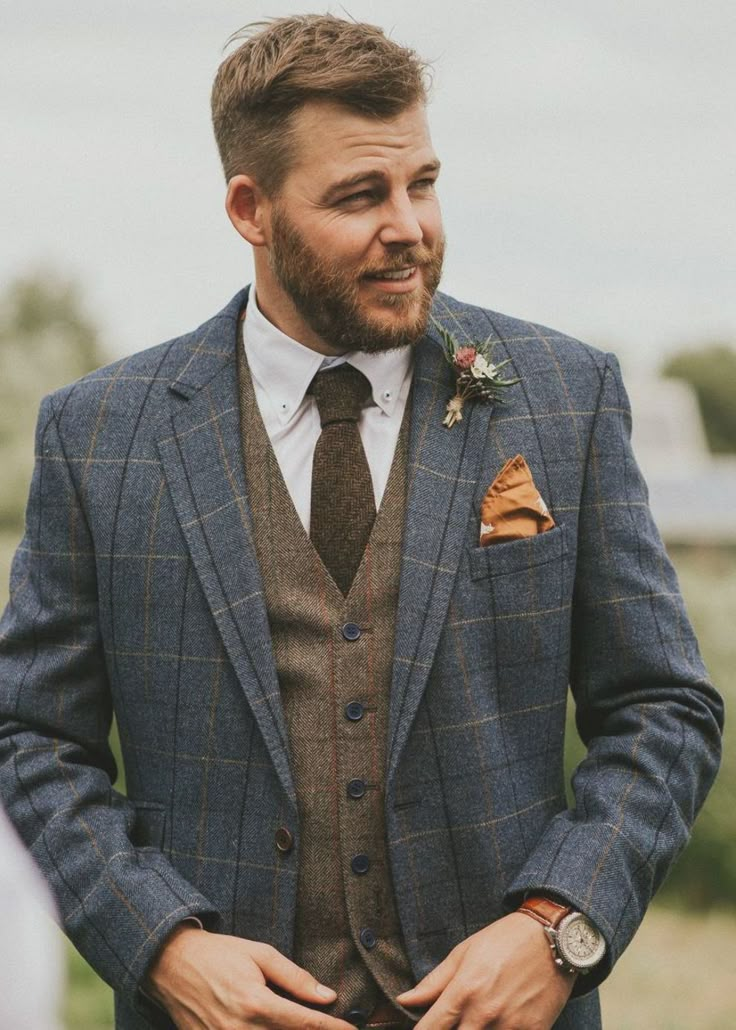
{"type": "Point", "coordinates": [284, 368]}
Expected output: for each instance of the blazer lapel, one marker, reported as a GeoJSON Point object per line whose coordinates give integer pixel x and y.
{"type": "Point", "coordinates": [201, 452]}
{"type": "Point", "coordinates": [443, 473]}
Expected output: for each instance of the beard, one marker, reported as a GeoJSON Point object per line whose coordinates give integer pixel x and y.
{"type": "Point", "coordinates": [327, 295]}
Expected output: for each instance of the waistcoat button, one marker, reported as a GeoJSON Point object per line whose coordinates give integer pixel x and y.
{"type": "Point", "coordinates": [354, 710]}
{"type": "Point", "coordinates": [284, 839]}
{"type": "Point", "coordinates": [356, 788]}
{"type": "Point", "coordinates": [367, 938]}
{"type": "Point", "coordinates": [360, 864]}
{"type": "Point", "coordinates": [357, 1017]}
{"type": "Point", "coordinates": [350, 631]}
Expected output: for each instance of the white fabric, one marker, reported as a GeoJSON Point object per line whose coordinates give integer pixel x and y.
{"type": "Point", "coordinates": [282, 369]}
{"type": "Point", "coordinates": [31, 952]}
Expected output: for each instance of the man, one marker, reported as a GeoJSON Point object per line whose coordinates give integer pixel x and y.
{"type": "Point", "coordinates": [341, 699]}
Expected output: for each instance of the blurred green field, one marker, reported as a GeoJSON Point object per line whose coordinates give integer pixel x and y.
{"type": "Point", "coordinates": [680, 971]}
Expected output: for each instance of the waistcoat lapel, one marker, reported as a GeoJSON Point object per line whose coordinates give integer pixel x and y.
{"type": "Point", "coordinates": [443, 473]}
{"type": "Point", "coordinates": [200, 449]}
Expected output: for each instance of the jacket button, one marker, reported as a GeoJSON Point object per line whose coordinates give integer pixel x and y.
{"type": "Point", "coordinates": [350, 631]}
{"type": "Point", "coordinates": [357, 1017]}
{"type": "Point", "coordinates": [360, 864]}
{"type": "Point", "coordinates": [354, 711]}
{"type": "Point", "coordinates": [284, 839]}
{"type": "Point", "coordinates": [368, 938]}
{"type": "Point", "coordinates": [356, 788]}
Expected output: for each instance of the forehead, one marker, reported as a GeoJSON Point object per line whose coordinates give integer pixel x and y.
{"type": "Point", "coordinates": [331, 140]}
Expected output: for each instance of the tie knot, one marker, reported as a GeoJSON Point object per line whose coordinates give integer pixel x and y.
{"type": "Point", "coordinates": [340, 394]}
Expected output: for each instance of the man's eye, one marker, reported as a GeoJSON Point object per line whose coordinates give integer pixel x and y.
{"type": "Point", "coordinates": [424, 184]}
{"type": "Point", "coordinates": [361, 195]}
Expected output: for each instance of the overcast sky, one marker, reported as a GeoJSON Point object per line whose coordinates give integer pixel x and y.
{"type": "Point", "coordinates": [588, 155]}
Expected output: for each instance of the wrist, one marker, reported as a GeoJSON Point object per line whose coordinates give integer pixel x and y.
{"type": "Point", "coordinates": [169, 955]}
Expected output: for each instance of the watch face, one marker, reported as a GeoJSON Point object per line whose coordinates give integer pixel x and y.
{"type": "Point", "coordinates": [579, 942]}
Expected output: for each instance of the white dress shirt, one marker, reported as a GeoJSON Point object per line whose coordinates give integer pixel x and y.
{"type": "Point", "coordinates": [282, 370]}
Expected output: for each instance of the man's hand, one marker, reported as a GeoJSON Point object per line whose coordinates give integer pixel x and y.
{"type": "Point", "coordinates": [502, 977]}
{"type": "Point", "coordinates": [209, 981]}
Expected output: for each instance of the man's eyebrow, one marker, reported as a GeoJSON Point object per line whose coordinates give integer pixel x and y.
{"type": "Point", "coordinates": [429, 168]}
{"type": "Point", "coordinates": [373, 175]}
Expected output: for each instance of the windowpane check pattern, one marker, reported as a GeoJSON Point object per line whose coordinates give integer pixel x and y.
{"type": "Point", "coordinates": [136, 587]}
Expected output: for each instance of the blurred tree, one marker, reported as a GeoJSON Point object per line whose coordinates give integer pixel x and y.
{"type": "Point", "coordinates": [46, 340]}
{"type": "Point", "coordinates": [711, 371]}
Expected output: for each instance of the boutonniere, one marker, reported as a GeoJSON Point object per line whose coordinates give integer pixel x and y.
{"type": "Point", "coordinates": [476, 377]}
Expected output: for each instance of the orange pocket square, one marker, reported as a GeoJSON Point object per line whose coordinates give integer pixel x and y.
{"type": "Point", "coordinates": [513, 508]}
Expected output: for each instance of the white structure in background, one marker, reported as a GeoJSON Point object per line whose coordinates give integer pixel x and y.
{"type": "Point", "coordinates": [31, 956]}
{"type": "Point", "coordinates": [692, 492]}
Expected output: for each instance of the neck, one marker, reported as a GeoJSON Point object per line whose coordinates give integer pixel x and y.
{"type": "Point", "coordinates": [275, 305]}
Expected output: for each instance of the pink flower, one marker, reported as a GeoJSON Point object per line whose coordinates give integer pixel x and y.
{"type": "Point", "coordinates": [464, 357]}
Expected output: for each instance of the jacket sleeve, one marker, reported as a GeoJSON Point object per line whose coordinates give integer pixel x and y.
{"type": "Point", "coordinates": [645, 709]}
{"type": "Point", "coordinates": [117, 902]}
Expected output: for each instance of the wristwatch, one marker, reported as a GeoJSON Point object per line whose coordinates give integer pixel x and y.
{"type": "Point", "coordinates": [576, 944]}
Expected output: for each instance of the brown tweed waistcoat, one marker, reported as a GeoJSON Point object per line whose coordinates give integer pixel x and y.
{"type": "Point", "coordinates": [330, 651]}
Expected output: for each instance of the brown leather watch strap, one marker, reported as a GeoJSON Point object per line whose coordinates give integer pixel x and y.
{"type": "Point", "coordinates": [545, 911]}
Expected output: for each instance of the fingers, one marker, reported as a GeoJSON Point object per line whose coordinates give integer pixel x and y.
{"type": "Point", "coordinates": [282, 1014]}
{"type": "Point", "coordinates": [446, 1014]}
{"type": "Point", "coordinates": [220, 981]}
{"type": "Point", "coordinates": [434, 983]}
{"type": "Point", "coordinates": [287, 974]}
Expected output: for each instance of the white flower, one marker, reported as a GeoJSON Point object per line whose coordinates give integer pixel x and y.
{"type": "Point", "coordinates": [483, 369]}
{"type": "Point", "coordinates": [479, 368]}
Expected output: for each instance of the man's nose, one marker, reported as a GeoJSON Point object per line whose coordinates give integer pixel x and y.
{"type": "Point", "coordinates": [401, 224]}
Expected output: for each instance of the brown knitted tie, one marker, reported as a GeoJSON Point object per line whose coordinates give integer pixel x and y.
{"type": "Point", "coordinates": [343, 506]}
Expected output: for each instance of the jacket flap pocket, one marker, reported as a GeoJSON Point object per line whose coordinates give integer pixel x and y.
{"type": "Point", "coordinates": [149, 825]}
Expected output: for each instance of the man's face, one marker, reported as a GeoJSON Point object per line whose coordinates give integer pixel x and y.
{"type": "Point", "coordinates": [356, 243]}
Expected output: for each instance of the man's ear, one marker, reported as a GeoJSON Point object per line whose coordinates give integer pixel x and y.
{"type": "Point", "coordinates": [248, 209]}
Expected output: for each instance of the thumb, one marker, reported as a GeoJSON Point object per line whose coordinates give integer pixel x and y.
{"type": "Point", "coordinates": [280, 970]}
{"type": "Point", "coordinates": [434, 983]}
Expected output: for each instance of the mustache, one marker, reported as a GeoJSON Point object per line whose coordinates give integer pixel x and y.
{"type": "Point", "coordinates": [419, 256]}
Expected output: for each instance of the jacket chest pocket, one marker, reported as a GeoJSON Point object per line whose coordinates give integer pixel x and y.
{"type": "Point", "coordinates": [518, 556]}
{"type": "Point", "coordinates": [527, 585]}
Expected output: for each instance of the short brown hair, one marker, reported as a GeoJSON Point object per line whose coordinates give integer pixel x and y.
{"type": "Point", "coordinates": [286, 62]}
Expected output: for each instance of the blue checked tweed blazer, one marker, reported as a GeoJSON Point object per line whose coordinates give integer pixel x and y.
{"type": "Point", "coordinates": [136, 591]}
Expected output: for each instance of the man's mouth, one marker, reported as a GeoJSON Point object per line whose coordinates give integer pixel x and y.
{"type": "Point", "coordinates": [396, 274]}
